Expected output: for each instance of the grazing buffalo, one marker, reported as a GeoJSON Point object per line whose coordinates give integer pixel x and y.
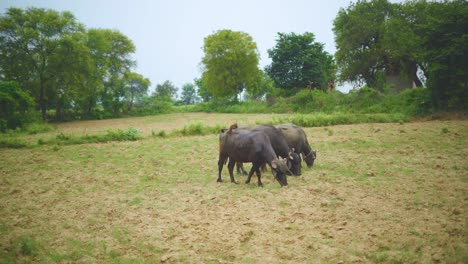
{"type": "Point", "coordinates": [281, 147]}
{"type": "Point", "coordinates": [297, 139]}
{"type": "Point", "coordinates": [240, 145]}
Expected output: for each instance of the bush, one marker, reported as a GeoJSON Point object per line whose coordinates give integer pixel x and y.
{"type": "Point", "coordinates": [131, 134]}
{"type": "Point", "coordinates": [321, 119]}
{"type": "Point", "coordinates": [12, 143]}
{"type": "Point", "coordinates": [16, 107]}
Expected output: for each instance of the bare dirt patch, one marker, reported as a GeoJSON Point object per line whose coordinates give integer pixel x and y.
{"type": "Point", "coordinates": [377, 193]}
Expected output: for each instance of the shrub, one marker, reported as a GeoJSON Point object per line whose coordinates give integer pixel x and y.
{"type": "Point", "coordinates": [131, 134]}
{"type": "Point", "coordinates": [13, 143]}
{"type": "Point", "coordinates": [16, 107]}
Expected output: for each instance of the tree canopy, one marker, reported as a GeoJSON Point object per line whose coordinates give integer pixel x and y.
{"type": "Point", "coordinates": [299, 62]}
{"type": "Point", "coordinates": [376, 38]}
{"type": "Point", "coordinates": [29, 40]}
{"type": "Point", "coordinates": [230, 63]}
{"type": "Point", "coordinates": [189, 94]}
{"type": "Point", "coordinates": [63, 65]}
{"type": "Point", "coordinates": [166, 91]}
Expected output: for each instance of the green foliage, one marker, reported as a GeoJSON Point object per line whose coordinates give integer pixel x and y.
{"type": "Point", "coordinates": [27, 246]}
{"type": "Point", "coordinates": [320, 119]}
{"type": "Point", "coordinates": [131, 134]}
{"type": "Point", "coordinates": [359, 30]}
{"type": "Point", "coordinates": [78, 73]}
{"type": "Point", "coordinates": [15, 143]}
{"type": "Point", "coordinates": [205, 95]}
{"type": "Point", "coordinates": [137, 87]}
{"type": "Point", "coordinates": [16, 107]}
{"type": "Point", "coordinates": [152, 106]}
{"type": "Point", "coordinates": [165, 92]}
{"type": "Point", "coordinates": [189, 94]}
{"type": "Point", "coordinates": [299, 62]}
{"type": "Point", "coordinates": [196, 129]}
{"type": "Point", "coordinates": [442, 47]}
{"type": "Point", "coordinates": [411, 102]}
{"type": "Point", "coordinates": [376, 39]}
{"type": "Point", "coordinates": [42, 30]}
{"type": "Point", "coordinates": [230, 64]}
{"type": "Point", "coordinates": [161, 134]}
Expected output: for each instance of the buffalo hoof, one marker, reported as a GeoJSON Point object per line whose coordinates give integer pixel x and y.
{"type": "Point", "coordinates": [219, 180]}
{"type": "Point", "coordinates": [260, 185]}
{"type": "Point", "coordinates": [234, 182]}
{"type": "Point", "coordinates": [247, 182]}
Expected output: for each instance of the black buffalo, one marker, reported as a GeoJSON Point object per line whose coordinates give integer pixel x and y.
{"type": "Point", "coordinates": [281, 148]}
{"type": "Point", "coordinates": [297, 139]}
{"type": "Point", "coordinates": [240, 145]}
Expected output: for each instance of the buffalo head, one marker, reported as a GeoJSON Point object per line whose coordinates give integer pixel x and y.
{"type": "Point", "coordinates": [310, 158]}
{"type": "Point", "coordinates": [279, 168]}
{"type": "Point", "coordinates": [294, 163]}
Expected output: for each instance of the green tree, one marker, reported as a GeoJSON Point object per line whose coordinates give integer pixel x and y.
{"type": "Point", "coordinates": [16, 106]}
{"type": "Point", "coordinates": [165, 92]}
{"type": "Point", "coordinates": [189, 94]}
{"type": "Point", "coordinates": [230, 64]}
{"type": "Point", "coordinates": [359, 30]}
{"type": "Point", "coordinates": [205, 95]}
{"type": "Point", "coordinates": [439, 44]}
{"type": "Point", "coordinates": [28, 40]}
{"type": "Point", "coordinates": [115, 51]}
{"type": "Point", "coordinates": [136, 87]}
{"type": "Point", "coordinates": [299, 62]}
{"type": "Point", "coordinates": [374, 40]}
{"type": "Point", "coordinates": [69, 87]}
{"type": "Point", "coordinates": [266, 87]}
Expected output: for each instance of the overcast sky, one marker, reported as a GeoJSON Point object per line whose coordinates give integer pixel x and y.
{"type": "Point", "coordinates": [168, 35]}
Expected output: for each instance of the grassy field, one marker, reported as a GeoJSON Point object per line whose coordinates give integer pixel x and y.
{"type": "Point", "coordinates": [378, 193]}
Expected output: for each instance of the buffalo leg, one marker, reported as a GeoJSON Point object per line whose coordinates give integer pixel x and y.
{"type": "Point", "coordinates": [231, 170]}
{"type": "Point", "coordinates": [259, 175]}
{"type": "Point", "coordinates": [240, 168]}
{"type": "Point", "coordinates": [221, 162]}
{"type": "Point", "coordinates": [252, 170]}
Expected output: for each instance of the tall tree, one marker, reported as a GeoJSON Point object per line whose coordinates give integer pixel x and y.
{"type": "Point", "coordinates": [359, 30]}
{"type": "Point", "coordinates": [299, 62]}
{"type": "Point", "coordinates": [165, 91]}
{"type": "Point", "coordinates": [28, 40]}
{"type": "Point", "coordinates": [205, 95]}
{"type": "Point", "coordinates": [69, 85]}
{"type": "Point", "coordinates": [189, 94]}
{"type": "Point", "coordinates": [136, 87]}
{"type": "Point", "coordinates": [114, 51]}
{"type": "Point", "coordinates": [439, 45]}
{"type": "Point", "coordinates": [230, 63]}
{"type": "Point", "coordinates": [15, 105]}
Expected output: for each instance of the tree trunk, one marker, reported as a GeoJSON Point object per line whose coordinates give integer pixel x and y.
{"type": "Point", "coordinates": [42, 102]}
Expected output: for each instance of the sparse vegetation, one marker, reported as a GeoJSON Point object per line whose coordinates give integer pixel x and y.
{"type": "Point", "coordinates": [156, 199]}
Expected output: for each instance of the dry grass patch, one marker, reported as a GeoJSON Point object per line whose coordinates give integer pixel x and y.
{"type": "Point", "coordinates": [378, 193]}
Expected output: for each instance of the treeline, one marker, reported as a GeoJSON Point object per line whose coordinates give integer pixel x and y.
{"type": "Point", "coordinates": [64, 66]}
{"type": "Point", "coordinates": [53, 68]}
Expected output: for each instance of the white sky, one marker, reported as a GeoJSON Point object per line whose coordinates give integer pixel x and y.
{"type": "Point", "coordinates": [169, 34]}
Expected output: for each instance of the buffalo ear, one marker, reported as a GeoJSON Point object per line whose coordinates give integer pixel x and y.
{"type": "Point", "coordinates": [293, 150]}
{"type": "Point", "coordinates": [274, 165]}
